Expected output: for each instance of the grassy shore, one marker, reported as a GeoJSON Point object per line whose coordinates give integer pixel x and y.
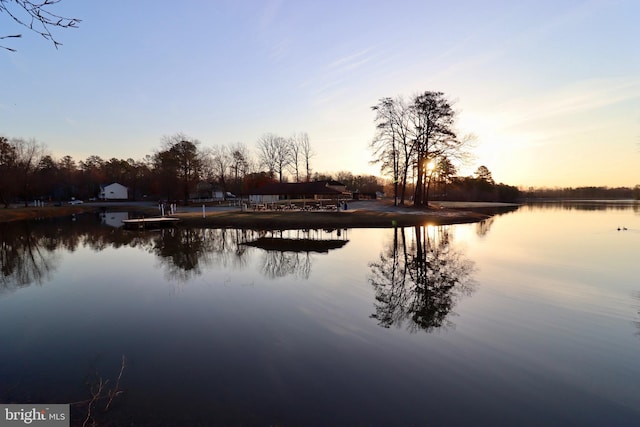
{"type": "Point", "coordinates": [28, 213]}
{"type": "Point", "coordinates": [377, 214]}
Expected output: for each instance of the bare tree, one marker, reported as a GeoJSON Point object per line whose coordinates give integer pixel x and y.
{"type": "Point", "coordinates": [221, 163]}
{"type": "Point", "coordinates": [37, 17]}
{"type": "Point", "coordinates": [275, 154]}
{"type": "Point", "coordinates": [307, 154]}
{"type": "Point", "coordinates": [267, 152]}
{"type": "Point", "coordinates": [296, 152]}
{"type": "Point", "coordinates": [28, 154]}
{"type": "Point", "coordinates": [393, 145]}
{"type": "Point", "coordinates": [300, 155]}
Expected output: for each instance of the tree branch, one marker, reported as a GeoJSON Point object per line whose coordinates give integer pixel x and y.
{"type": "Point", "coordinates": [36, 16]}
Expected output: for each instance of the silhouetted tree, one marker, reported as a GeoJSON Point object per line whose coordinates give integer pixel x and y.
{"type": "Point", "coordinates": [221, 161]}
{"type": "Point", "coordinates": [22, 161]}
{"type": "Point", "coordinates": [484, 174]}
{"type": "Point", "coordinates": [444, 172]}
{"type": "Point", "coordinates": [393, 146]}
{"type": "Point", "coordinates": [48, 178]}
{"type": "Point", "coordinates": [178, 165]}
{"type": "Point", "coordinates": [240, 165]}
{"type": "Point", "coordinates": [7, 165]}
{"type": "Point", "coordinates": [307, 154]}
{"type": "Point", "coordinates": [412, 136]}
{"type": "Point", "coordinates": [433, 121]}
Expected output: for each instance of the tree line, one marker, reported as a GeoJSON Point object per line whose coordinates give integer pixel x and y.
{"type": "Point", "coordinates": [588, 193]}
{"type": "Point", "coordinates": [177, 170]}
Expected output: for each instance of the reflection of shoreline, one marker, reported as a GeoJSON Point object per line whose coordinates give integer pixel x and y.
{"type": "Point", "coordinates": [295, 245]}
{"type": "Point", "coordinates": [29, 250]}
{"type": "Point", "coordinates": [584, 205]}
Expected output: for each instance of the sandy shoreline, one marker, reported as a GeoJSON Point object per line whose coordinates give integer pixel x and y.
{"type": "Point", "coordinates": [360, 214]}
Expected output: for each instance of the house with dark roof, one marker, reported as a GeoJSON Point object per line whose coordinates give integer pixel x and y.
{"type": "Point", "coordinates": [316, 190]}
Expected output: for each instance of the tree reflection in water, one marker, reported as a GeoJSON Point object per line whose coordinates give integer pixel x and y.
{"type": "Point", "coordinates": [483, 227]}
{"type": "Point", "coordinates": [184, 251]}
{"type": "Point", "coordinates": [419, 279]}
{"type": "Point", "coordinates": [280, 264]}
{"type": "Point", "coordinates": [29, 250]}
{"type": "Point", "coordinates": [26, 256]}
{"type": "Point", "coordinates": [636, 296]}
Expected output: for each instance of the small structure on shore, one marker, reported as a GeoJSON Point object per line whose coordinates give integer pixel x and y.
{"type": "Point", "coordinates": [315, 190]}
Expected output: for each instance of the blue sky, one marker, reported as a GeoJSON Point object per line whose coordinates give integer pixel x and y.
{"type": "Point", "coordinates": [550, 89]}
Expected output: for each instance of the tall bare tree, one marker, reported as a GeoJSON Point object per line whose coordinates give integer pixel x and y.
{"type": "Point", "coordinates": [275, 154]}
{"type": "Point", "coordinates": [221, 161]}
{"type": "Point", "coordinates": [393, 145]}
{"type": "Point", "coordinates": [295, 153]}
{"type": "Point", "coordinates": [307, 153]}
{"type": "Point", "coordinates": [28, 154]}
{"type": "Point", "coordinates": [300, 155]}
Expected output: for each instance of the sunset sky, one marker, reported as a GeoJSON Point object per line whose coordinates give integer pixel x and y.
{"type": "Point", "coordinates": [550, 88]}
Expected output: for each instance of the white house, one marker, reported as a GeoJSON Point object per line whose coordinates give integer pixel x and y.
{"type": "Point", "coordinates": [113, 191]}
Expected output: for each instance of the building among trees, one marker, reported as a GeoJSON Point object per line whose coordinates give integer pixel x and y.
{"type": "Point", "coordinates": [315, 190]}
{"type": "Point", "coordinates": [114, 191]}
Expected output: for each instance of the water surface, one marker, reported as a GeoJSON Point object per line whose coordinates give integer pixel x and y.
{"type": "Point", "coordinates": [530, 318]}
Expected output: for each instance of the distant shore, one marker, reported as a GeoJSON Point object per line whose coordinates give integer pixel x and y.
{"type": "Point", "coordinates": [360, 214]}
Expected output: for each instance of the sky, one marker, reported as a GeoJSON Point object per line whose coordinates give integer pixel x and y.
{"type": "Point", "coordinates": [550, 89]}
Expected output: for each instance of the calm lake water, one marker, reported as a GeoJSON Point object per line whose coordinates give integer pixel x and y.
{"type": "Point", "coordinates": [530, 318]}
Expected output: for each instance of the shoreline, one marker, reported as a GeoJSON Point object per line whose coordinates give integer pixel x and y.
{"type": "Point", "coordinates": [297, 220]}
{"type": "Point", "coordinates": [361, 214]}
